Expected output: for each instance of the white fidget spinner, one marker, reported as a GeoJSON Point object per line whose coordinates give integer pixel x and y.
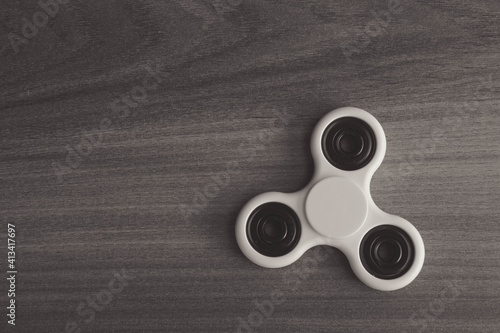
{"type": "Point", "coordinates": [385, 251]}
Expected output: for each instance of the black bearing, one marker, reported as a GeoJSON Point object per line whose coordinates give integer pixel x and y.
{"type": "Point", "coordinates": [387, 252]}
{"type": "Point", "coordinates": [348, 143]}
{"type": "Point", "coordinates": [273, 229]}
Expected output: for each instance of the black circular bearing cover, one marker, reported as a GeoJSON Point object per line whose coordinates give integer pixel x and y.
{"type": "Point", "coordinates": [348, 143]}
{"type": "Point", "coordinates": [386, 252]}
{"type": "Point", "coordinates": [273, 229]}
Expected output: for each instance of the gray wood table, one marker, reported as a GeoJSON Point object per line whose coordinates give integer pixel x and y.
{"type": "Point", "coordinates": [132, 133]}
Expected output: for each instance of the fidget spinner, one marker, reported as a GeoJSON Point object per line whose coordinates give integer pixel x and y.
{"type": "Point", "coordinates": [274, 229]}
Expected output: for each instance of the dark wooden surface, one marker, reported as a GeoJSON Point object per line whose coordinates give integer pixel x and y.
{"type": "Point", "coordinates": [242, 86]}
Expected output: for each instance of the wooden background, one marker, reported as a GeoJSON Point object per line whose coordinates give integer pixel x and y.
{"type": "Point", "coordinates": [242, 85]}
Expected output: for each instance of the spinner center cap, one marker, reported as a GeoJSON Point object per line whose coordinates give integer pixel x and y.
{"type": "Point", "coordinates": [336, 207]}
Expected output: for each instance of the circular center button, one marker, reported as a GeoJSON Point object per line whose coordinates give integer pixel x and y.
{"type": "Point", "coordinates": [349, 144]}
{"type": "Point", "coordinates": [273, 229]}
{"type": "Point", "coordinates": [336, 207]}
{"type": "Point", "coordinates": [387, 252]}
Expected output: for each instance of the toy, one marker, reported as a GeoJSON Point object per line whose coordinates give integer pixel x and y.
{"type": "Point", "coordinates": [385, 251]}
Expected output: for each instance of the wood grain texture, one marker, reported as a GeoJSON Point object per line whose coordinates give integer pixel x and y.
{"type": "Point", "coordinates": [242, 85]}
